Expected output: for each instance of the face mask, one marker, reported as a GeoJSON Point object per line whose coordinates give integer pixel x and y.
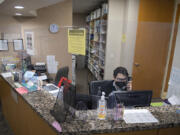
{"type": "Point", "coordinates": [121, 84]}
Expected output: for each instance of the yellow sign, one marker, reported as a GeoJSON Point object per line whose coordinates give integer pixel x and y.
{"type": "Point", "coordinates": [123, 38]}
{"type": "Point", "coordinates": [77, 41]}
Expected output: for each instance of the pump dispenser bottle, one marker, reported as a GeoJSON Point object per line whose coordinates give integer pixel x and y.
{"type": "Point", "coordinates": [102, 107]}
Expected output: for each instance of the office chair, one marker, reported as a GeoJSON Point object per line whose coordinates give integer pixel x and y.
{"type": "Point", "coordinates": [96, 87]}
{"type": "Point", "coordinates": [62, 72]}
{"type": "Point", "coordinates": [84, 102]}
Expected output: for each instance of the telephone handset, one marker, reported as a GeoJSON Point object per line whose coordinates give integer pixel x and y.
{"type": "Point", "coordinates": [124, 88]}
{"type": "Point", "coordinates": [129, 78]}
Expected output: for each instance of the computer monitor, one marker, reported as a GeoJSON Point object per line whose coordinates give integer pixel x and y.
{"type": "Point", "coordinates": [140, 98]}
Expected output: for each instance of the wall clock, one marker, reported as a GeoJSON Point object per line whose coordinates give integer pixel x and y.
{"type": "Point", "coordinates": [54, 28]}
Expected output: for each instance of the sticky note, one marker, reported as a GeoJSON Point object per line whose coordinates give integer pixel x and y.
{"type": "Point", "coordinates": [123, 38]}
{"type": "Point", "coordinates": [17, 85]}
{"type": "Point", "coordinates": [157, 104]}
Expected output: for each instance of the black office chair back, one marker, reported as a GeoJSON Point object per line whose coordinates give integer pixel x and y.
{"type": "Point", "coordinates": [96, 87]}
{"type": "Point", "coordinates": [62, 72]}
{"type": "Point", "coordinates": [95, 91]}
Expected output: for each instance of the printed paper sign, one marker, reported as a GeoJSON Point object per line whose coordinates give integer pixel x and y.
{"type": "Point", "coordinates": [77, 41]}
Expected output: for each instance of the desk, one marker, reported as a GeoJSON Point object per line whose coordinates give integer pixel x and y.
{"type": "Point", "coordinates": [29, 114]}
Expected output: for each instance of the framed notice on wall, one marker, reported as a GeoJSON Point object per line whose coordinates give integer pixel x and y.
{"type": "Point", "coordinates": [18, 44]}
{"type": "Point", "coordinates": [29, 37]}
{"type": "Point", "coordinates": [4, 45]}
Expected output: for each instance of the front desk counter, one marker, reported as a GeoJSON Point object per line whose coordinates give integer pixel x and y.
{"type": "Point", "coordinates": [29, 114]}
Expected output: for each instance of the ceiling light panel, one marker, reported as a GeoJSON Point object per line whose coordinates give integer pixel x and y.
{"type": "Point", "coordinates": [18, 7]}
{"type": "Point", "coordinates": [1, 1]}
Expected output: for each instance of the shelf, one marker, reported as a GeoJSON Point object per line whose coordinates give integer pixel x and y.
{"type": "Point", "coordinates": [97, 45]}
{"type": "Point", "coordinates": [101, 66]}
{"type": "Point", "coordinates": [98, 41]}
{"type": "Point", "coordinates": [104, 24]}
{"type": "Point", "coordinates": [96, 75]}
{"type": "Point", "coordinates": [104, 33]}
{"type": "Point", "coordinates": [99, 18]}
{"type": "Point", "coordinates": [93, 68]}
{"type": "Point", "coordinates": [99, 33]}
{"type": "Point", "coordinates": [99, 57]}
{"type": "Point", "coordinates": [101, 51]}
{"type": "Point", "coordinates": [104, 16]}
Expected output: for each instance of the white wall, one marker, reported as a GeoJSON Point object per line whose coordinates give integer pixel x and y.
{"type": "Point", "coordinates": [45, 43]}
{"type": "Point", "coordinates": [10, 29]}
{"type": "Point", "coordinates": [176, 61]}
{"type": "Point", "coordinates": [127, 48]}
{"type": "Point", "coordinates": [114, 30]}
{"type": "Point", "coordinates": [122, 20]}
{"type": "Point", "coordinates": [174, 82]}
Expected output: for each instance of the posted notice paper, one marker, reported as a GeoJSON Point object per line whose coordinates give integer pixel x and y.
{"type": "Point", "coordinates": [7, 74]}
{"type": "Point", "coordinates": [77, 41]}
{"type": "Point", "coordinates": [52, 64]}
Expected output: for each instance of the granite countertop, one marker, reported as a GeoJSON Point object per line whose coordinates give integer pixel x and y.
{"type": "Point", "coordinates": [86, 123]}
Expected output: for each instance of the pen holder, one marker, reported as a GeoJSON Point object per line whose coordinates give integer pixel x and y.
{"type": "Point", "coordinates": [118, 112]}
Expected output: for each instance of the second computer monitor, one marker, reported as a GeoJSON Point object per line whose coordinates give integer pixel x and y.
{"type": "Point", "coordinates": [136, 98]}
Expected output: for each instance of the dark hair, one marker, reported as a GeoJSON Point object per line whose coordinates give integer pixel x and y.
{"type": "Point", "coordinates": [120, 70]}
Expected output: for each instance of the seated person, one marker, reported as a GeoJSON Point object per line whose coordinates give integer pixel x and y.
{"type": "Point", "coordinates": [121, 81]}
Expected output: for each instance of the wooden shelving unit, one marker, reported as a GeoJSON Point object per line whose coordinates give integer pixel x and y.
{"type": "Point", "coordinates": [96, 41]}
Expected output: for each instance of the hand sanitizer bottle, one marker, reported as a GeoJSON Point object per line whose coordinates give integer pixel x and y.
{"type": "Point", "coordinates": [102, 107]}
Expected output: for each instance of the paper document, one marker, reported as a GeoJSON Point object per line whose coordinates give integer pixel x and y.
{"type": "Point", "coordinates": [5, 75]}
{"type": "Point", "coordinates": [52, 64]}
{"type": "Point", "coordinates": [40, 64]}
{"type": "Point", "coordinates": [43, 77]}
{"type": "Point", "coordinates": [139, 116]}
{"type": "Point", "coordinates": [18, 44]}
{"type": "Point", "coordinates": [29, 38]}
{"type": "Point", "coordinates": [174, 100]}
{"type": "Point", "coordinates": [18, 85]}
{"type": "Point", "coordinates": [22, 90]}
